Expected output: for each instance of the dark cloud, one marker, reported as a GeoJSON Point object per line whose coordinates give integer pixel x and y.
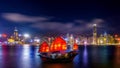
{"type": "Point", "coordinates": [44, 23]}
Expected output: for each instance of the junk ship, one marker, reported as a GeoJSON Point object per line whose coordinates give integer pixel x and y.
{"type": "Point", "coordinates": [58, 51]}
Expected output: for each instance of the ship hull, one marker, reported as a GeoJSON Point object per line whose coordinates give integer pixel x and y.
{"type": "Point", "coordinates": [67, 57]}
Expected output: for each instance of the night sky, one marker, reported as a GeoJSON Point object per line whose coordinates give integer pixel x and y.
{"type": "Point", "coordinates": [44, 17]}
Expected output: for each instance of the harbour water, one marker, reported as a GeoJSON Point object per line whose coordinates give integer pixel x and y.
{"type": "Point", "coordinates": [88, 57]}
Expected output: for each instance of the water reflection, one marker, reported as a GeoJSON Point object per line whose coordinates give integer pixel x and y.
{"type": "Point", "coordinates": [117, 57]}
{"type": "Point", "coordinates": [81, 60]}
{"type": "Point", "coordinates": [88, 57]}
{"type": "Point", "coordinates": [25, 57]}
{"type": "Point", "coordinates": [1, 58]}
{"type": "Point", "coordinates": [85, 56]}
{"type": "Point", "coordinates": [103, 55]}
{"type": "Point", "coordinates": [29, 58]}
{"type": "Point", "coordinates": [58, 65]}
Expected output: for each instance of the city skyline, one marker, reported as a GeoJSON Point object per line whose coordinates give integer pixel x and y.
{"type": "Point", "coordinates": [95, 39]}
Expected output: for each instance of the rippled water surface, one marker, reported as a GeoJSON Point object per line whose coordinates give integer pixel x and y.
{"type": "Point", "coordinates": [88, 57]}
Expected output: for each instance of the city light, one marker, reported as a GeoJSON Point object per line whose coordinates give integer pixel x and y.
{"type": "Point", "coordinates": [37, 40]}
{"type": "Point", "coordinates": [85, 42]}
{"type": "Point", "coordinates": [26, 35]}
{"type": "Point", "coordinates": [20, 35]}
{"type": "Point", "coordinates": [101, 41]}
{"type": "Point", "coordinates": [95, 39]}
{"type": "Point", "coordinates": [4, 35]}
{"type": "Point", "coordinates": [94, 24]}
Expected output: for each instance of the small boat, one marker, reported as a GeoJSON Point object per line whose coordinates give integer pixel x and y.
{"type": "Point", "coordinates": [58, 51]}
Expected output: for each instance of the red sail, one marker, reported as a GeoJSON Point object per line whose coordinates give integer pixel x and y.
{"type": "Point", "coordinates": [58, 44]}
{"type": "Point", "coordinates": [75, 46]}
{"type": "Point", "coordinates": [44, 47]}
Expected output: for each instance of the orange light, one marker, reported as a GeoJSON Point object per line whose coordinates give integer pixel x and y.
{"type": "Point", "coordinates": [59, 45]}
{"type": "Point", "coordinates": [47, 50]}
{"type": "Point", "coordinates": [75, 46]}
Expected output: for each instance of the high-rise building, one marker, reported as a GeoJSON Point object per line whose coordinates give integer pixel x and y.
{"type": "Point", "coordinates": [15, 39]}
{"type": "Point", "coordinates": [94, 34]}
{"type": "Point", "coordinates": [16, 34]}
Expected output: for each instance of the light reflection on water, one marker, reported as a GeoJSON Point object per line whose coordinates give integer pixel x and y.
{"type": "Point", "coordinates": [85, 56]}
{"type": "Point", "coordinates": [88, 57]}
{"type": "Point", "coordinates": [117, 58]}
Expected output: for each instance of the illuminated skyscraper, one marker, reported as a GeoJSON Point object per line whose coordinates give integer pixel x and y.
{"type": "Point", "coordinates": [68, 38]}
{"type": "Point", "coordinates": [14, 39]}
{"type": "Point", "coordinates": [71, 39]}
{"type": "Point", "coordinates": [16, 34]}
{"type": "Point", "coordinates": [94, 34]}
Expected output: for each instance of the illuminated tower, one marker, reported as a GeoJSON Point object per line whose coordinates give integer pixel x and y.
{"type": "Point", "coordinates": [68, 38]}
{"type": "Point", "coordinates": [105, 38]}
{"type": "Point", "coordinates": [94, 34]}
{"type": "Point", "coordinates": [16, 34]}
{"type": "Point", "coordinates": [71, 39]}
